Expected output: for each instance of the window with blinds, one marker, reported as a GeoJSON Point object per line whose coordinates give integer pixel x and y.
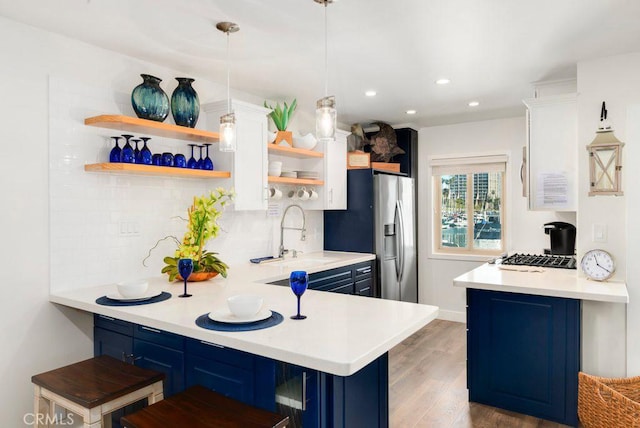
{"type": "Point", "coordinates": [468, 203]}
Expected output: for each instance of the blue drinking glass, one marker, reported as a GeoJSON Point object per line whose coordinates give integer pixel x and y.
{"type": "Point", "coordinates": [192, 163]}
{"type": "Point", "coordinates": [298, 281]}
{"type": "Point", "coordinates": [145, 157]}
{"type": "Point", "coordinates": [167, 159]}
{"type": "Point", "coordinates": [136, 150]}
{"type": "Point", "coordinates": [179, 161]}
{"type": "Point", "coordinates": [116, 152]}
{"type": "Point", "coordinates": [185, 267]}
{"type": "Point", "coordinates": [127, 155]}
{"type": "Point", "coordinates": [207, 163]}
{"type": "Point", "coordinates": [200, 161]}
{"type": "Point", "coordinates": [156, 159]}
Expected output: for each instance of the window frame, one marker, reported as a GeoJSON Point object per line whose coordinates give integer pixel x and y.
{"type": "Point", "coordinates": [464, 163]}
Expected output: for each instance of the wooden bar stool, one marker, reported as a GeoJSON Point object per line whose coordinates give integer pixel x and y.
{"type": "Point", "coordinates": [199, 407]}
{"type": "Point", "coordinates": [93, 389]}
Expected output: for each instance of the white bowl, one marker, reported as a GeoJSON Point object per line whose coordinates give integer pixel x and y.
{"type": "Point", "coordinates": [244, 305]}
{"type": "Point", "coordinates": [307, 142]}
{"type": "Point", "coordinates": [133, 289]}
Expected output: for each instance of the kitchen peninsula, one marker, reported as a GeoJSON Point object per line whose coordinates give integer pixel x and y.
{"type": "Point", "coordinates": [523, 337]}
{"type": "Point", "coordinates": [337, 357]}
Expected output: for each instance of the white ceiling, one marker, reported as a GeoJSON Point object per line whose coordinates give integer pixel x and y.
{"type": "Point", "coordinates": [492, 50]}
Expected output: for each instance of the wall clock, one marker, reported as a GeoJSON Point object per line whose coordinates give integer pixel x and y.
{"type": "Point", "coordinates": [597, 265]}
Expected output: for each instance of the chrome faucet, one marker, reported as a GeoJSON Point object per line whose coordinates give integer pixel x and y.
{"type": "Point", "coordinates": [302, 229]}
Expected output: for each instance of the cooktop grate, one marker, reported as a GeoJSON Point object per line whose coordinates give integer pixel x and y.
{"type": "Point", "coordinates": [546, 260]}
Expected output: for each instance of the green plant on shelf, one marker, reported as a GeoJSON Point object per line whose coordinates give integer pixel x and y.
{"type": "Point", "coordinates": [282, 115]}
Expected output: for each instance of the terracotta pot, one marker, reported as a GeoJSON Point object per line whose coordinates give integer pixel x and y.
{"type": "Point", "coordinates": [199, 276]}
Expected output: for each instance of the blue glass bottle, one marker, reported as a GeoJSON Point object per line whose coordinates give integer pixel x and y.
{"type": "Point", "coordinates": [114, 155]}
{"type": "Point", "coordinates": [144, 157]}
{"type": "Point", "coordinates": [127, 155]}
{"type": "Point", "coordinates": [148, 99]}
{"type": "Point", "coordinates": [185, 105]}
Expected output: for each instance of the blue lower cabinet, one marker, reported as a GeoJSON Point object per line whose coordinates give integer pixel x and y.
{"type": "Point", "coordinates": [524, 353]}
{"type": "Point", "coordinates": [163, 359]}
{"type": "Point", "coordinates": [116, 345]}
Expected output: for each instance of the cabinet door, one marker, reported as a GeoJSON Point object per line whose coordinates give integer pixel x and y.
{"type": "Point", "coordinates": [116, 345]}
{"type": "Point", "coordinates": [163, 359]}
{"type": "Point", "coordinates": [298, 395]}
{"type": "Point", "coordinates": [228, 380]}
{"type": "Point", "coordinates": [248, 165]}
{"type": "Point", "coordinates": [335, 173]}
{"type": "Point", "coordinates": [524, 353]}
{"type": "Point", "coordinates": [552, 153]}
{"type": "Point", "coordinates": [364, 287]}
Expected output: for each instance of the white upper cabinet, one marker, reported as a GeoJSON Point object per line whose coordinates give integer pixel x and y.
{"type": "Point", "coordinates": [335, 173]}
{"type": "Point", "coordinates": [248, 165]}
{"type": "Point", "coordinates": [549, 169]}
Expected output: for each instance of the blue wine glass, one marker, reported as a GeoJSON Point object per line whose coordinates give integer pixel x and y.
{"type": "Point", "coordinates": [200, 161]}
{"type": "Point", "coordinates": [136, 150]}
{"type": "Point", "coordinates": [127, 155]}
{"type": "Point", "coordinates": [298, 280]}
{"type": "Point", "coordinates": [145, 157]}
{"type": "Point", "coordinates": [185, 267]}
{"type": "Point", "coordinates": [192, 163]}
{"type": "Point", "coordinates": [207, 163]}
{"type": "Point", "coordinates": [116, 152]}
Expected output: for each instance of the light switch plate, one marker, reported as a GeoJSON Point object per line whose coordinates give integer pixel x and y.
{"type": "Point", "coordinates": [599, 232]}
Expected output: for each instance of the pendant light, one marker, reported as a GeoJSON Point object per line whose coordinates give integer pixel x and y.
{"type": "Point", "coordinates": [326, 106]}
{"type": "Point", "coordinates": [228, 121]}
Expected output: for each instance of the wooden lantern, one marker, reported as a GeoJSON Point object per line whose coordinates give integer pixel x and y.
{"type": "Point", "coordinates": [605, 156]}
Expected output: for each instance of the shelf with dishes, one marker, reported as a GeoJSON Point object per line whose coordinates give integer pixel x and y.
{"type": "Point", "coordinates": [296, 181]}
{"type": "Point", "coordinates": [158, 129]}
{"type": "Point", "coordinates": [138, 169]}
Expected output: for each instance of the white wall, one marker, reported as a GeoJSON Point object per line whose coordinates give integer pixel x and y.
{"type": "Point", "coordinates": [615, 80]}
{"type": "Point", "coordinates": [524, 228]}
{"type": "Point", "coordinates": [38, 335]}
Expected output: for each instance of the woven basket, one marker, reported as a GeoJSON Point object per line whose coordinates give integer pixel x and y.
{"type": "Point", "coordinates": [608, 403]}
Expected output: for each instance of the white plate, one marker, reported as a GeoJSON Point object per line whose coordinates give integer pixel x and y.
{"type": "Point", "coordinates": [150, 294]}
{"type": "Point", "coordinates": [224, 315]}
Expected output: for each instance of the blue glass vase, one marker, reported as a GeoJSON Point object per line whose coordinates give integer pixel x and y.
{"type": "Point", "coordinates": [148, 99]}
{"type": "Point", "coordinates": [185, 105]}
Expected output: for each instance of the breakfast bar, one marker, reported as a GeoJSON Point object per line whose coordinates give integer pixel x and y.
{"type": "Point", "coordinates": [523, 336]}
{"type": "Point", "coordinates": [331, 367]}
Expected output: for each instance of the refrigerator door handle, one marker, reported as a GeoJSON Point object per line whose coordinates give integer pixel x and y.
{"type": "Point", "coordinates": [400, 237]}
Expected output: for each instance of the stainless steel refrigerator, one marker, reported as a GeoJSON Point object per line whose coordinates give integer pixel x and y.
{"type": "Point", "coordinates": [381, 219]}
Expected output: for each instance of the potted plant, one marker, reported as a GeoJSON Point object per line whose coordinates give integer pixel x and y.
{"type": "Point", "coordinates": [281, 117]}
{"type": "Point", "coordinates": [202, 226]}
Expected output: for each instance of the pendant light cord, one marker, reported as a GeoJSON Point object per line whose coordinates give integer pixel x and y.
{"type": "Point", "coordinates": [228, 67]}
{"type": "Point", "coordinates": [326, 53]}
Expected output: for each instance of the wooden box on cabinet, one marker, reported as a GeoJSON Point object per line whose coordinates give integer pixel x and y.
{"type": "Point", "coordinates": [248, 164]}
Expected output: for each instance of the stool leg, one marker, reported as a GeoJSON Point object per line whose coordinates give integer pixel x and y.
{"type": "Point", "coordinates": [41, 407]}
{"type": "Point", "coordinates": [157, 394]}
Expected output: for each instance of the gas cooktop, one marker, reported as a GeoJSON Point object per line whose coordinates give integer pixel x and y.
{"type": "Point", "coordinates": [546, 260]}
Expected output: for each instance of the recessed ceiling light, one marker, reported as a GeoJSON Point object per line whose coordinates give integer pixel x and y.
{"type": "Point", "coordinates": [474, 103]}
{"type": "Point", "coordinates": [411, 112]}
{"type": "Point", "coordinates": [370, 93]}
{"type": "Point", "coordinates": [442, 81]}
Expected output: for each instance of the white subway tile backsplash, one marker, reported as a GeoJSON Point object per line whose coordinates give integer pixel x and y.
{"type": "Point", "coordinates": [87, 209]}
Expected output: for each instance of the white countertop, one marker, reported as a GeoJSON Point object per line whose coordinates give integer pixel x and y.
{"type": "Point", "coordinates": [341, 335]}
{"type": "Point", "coordinates": [550, 282]}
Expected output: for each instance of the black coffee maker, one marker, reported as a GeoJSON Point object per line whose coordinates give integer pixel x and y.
{"type": "Point", "coordinates": [563, 238]}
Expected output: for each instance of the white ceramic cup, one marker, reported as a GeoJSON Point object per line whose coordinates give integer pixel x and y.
{"type": "Point", "coordinates": [275, 193]}
{"type": "Point", "coordinates": [275, 168]}
{"type": "Point", "coordinates": [302, 194]}
{"type": "Point", "coordinates": [292, 194]}
{"type": "Point", "coordinates": [313, 195]}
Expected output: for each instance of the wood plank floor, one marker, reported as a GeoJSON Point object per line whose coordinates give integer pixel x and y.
{"type": "Point", "coordinates": [427, 384]}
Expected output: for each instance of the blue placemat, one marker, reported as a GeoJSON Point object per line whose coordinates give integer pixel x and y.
{"type": "Point", "coordinates": [105, 301]}
{"type": "Point", "coordinates": [205, 322]}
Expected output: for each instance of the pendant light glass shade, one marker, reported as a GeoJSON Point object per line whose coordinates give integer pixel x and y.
{"type": "Point", "coordinates": [326, 118]}
{"type": "Point", "coordinates": [228, 133]}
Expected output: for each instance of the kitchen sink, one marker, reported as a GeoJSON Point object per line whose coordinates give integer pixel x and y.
{"type": "Point", "coordinates": [301, 262]}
